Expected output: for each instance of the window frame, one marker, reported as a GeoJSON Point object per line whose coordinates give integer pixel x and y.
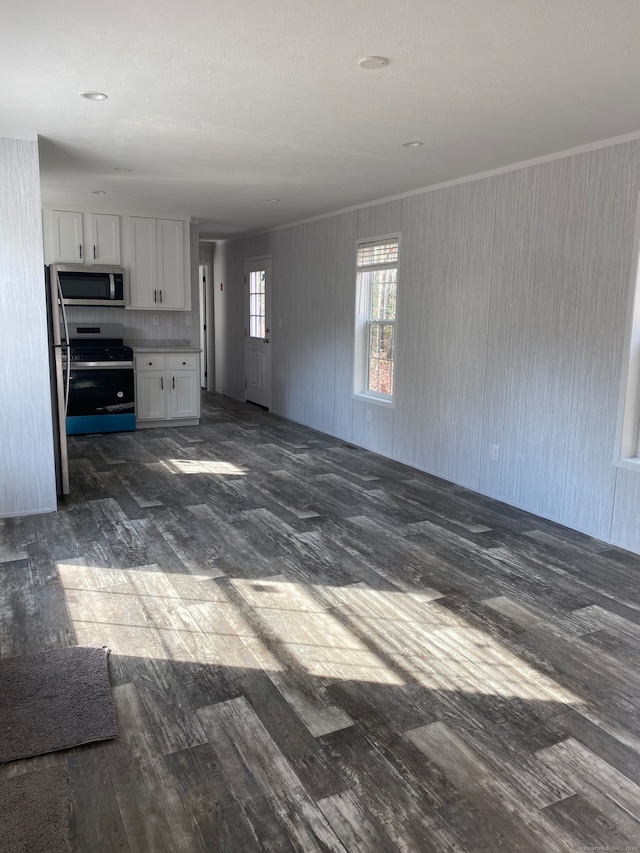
{"type": "Point", "coordinates": [627, 453]}
{"type": "Point", "coordinates": [364, 322]}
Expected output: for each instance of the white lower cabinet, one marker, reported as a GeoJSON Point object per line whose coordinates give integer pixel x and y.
{"type": "Point", "coordinates": [167, 388]}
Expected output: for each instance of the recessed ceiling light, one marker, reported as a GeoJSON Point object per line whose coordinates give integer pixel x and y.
{"type": "Point", "coordinates": [273, 199]}
{"type": "Point", "coordinates": [413, 144]}
{"type": "Point", "coordinates": [120, 169]}
{"type": "Point", "coordinates": [372, 62]}
{"type": "Point", "coordinates": [99, 192]}
{"type": "Point", "coordinates": [94, 96]}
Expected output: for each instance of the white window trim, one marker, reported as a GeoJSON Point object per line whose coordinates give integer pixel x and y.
{"type": "Point", "coordinates": [627, 453]}
{"type": "Point", "coordinates": [360, 391]}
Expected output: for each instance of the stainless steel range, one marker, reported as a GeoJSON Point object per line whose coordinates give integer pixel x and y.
{"type": "Point", "coordinates": [101, 385]}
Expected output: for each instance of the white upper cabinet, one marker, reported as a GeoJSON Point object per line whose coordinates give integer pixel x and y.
{"type": "Point", "coordinates": [157, 264]}
{"type": "Point", "coordinates": [143, 262]}
{"type": "Point", "coordinates": [104, 238]}
{"type": "Point", "coordinates": [171, 283]}
{"type": "Point", "coordinates": [66, 237]}
{"type": "Point", "coordinates": [78, 237]}
{"type": "Point", "coordinates": [154, 252]}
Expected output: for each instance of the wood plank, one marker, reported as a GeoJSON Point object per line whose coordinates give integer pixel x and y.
{"type": "Point", "coordinates": [610, 791]}
{"type": "Point", "coordinates": [238, 734]}
{"type": "Point", "coordinates": [95, 822]}
{"type": "Point", "coordinates": [21, 631]}
{"type": "Point", "coordinates": [519, 823]}
{"type": "Point", "coordinates": [390, 799]}
{"type": "Point", "coordinates": [589, 826]}
{"type": "Point", "coordinates": [152, 812]}
{"type": "Point", "coordinates": [625, 759]}
{"type": "Point", "coordinates": [473, 829]}
{"type": "Point", "coordinates": [357, 829]}
{"type": "Point", "coordinates": [207, 799]}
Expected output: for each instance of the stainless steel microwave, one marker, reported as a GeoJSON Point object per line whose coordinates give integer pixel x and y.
{"type": "Point", "coordinates": [95, 285]}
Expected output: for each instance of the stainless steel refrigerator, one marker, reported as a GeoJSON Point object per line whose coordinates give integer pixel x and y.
{"type": "Point", "coordinates": [58, 361]}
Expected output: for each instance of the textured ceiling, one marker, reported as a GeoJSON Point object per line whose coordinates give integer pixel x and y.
{"type": "Point", "coordinates": [218, 105]}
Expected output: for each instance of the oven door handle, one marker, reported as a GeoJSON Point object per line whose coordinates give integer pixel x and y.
{"type": "Point", "coordinates": [101, 365]}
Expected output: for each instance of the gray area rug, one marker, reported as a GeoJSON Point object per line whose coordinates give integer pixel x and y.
{"type": "Point", "coordinates": [54, 700]}
{"type": "Point", "coordinates": [34, 812]}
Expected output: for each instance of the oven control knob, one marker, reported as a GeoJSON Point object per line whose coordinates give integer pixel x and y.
{"type": "Point", "coordinates": [119, 394]}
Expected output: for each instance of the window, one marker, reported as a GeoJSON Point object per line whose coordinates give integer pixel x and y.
{"type": "Point", "coordinates": [376, 287]}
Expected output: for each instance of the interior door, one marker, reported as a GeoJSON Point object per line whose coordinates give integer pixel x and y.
{"type": "Point", "coordinates": [257, 362]}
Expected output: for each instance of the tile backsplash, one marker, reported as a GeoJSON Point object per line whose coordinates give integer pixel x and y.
{"type": "Point", "coordinates": [139, 325]}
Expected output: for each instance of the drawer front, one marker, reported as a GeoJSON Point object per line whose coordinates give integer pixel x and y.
{"type": "Point", "coordinates": [183, 362]}
{"type": "Point", "coordinates": [150, 362]}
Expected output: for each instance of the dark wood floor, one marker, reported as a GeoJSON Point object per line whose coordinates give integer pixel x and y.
{"type": "Point", "coordinates": [316, 648]}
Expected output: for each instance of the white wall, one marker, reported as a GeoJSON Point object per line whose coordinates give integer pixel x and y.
{"type": "Point", "coordinates": [513, 296]}
{"type": "Point", "coordinates": [27, 473]}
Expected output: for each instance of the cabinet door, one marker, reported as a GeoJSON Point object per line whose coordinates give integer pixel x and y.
{"type": "Point", "coordinates": [151, 395]}
{"type": "Point", "coordinates": [171, 283]}
{"type": "Point", "coordinates": [66, 237]}
{"type": "Point", "coordinates": [184, 395]}
{"type": "Point", "coordinates": [105, 239]}
{"type": "Point", "coordinates": [143, 262]}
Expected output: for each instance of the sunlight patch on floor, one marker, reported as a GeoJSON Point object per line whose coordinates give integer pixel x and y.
{"type": "Point", "coordinates": [334, 633]}
{"type": "Point", "coordinates": [205, 466]}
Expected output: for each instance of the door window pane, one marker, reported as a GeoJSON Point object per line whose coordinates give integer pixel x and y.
{"type": "Point", "coordinates": [257, 304]}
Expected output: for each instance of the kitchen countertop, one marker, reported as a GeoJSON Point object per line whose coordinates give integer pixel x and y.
{"type": "Point", "coordinates": [161, 346]}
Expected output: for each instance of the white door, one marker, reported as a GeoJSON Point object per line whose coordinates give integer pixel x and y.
{"type": "Point", "coordinates": [257, 361]}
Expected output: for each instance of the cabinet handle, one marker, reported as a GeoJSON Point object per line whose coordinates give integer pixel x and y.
{"type": "Point", "coordinates": [150, 364]}
{"type": "Point", "coordinates": [155, 295]}
{"type": "Point", "coordinates": [173, 382]}
{"type": "Point", "coordinates": [161, 296]}
{"type": "Point", "coordinates": [80, 247]}
{"type": "Point", "coordinates": [95, 254]}
{"type": "Point", "coordinates": [161, 383]}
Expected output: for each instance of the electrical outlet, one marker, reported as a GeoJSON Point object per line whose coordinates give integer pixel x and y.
{"type": "Point", "coordinates": [187, 320]}
{"type": "Point", "coordinates": [368, 416]}
{"type": "Point", "coordinates": [155, 320]}
{"type": "Point", "coordinates": [495, 452]}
